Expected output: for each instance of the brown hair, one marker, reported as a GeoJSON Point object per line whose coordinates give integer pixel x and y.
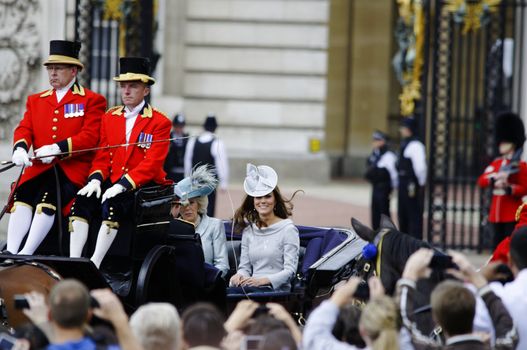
{"type": "Point", "coordinates": [203, 325]}
{"type": "Point", "coordinates": [381, 320]}
{"type": "Point", "coordinates": [69, 303]}
{"type": "Point", "coordinates": [453, 307]}
{"type": "Point", "coordinates": [246, 214]}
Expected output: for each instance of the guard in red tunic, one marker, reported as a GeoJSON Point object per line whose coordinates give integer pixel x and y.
{"type": "Point", "coordinates": [506, 175]}
{"type": "Point", "coordinates": [117, 172]}
{"type": "Point", "coordinates": [57, 121]}
{"type": "Point", "coordinates": [502, 251]}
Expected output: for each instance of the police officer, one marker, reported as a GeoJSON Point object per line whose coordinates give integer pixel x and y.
{"type": "Point", "coordinates": [118, 171]}
{"type": "Point", "coordinates": [62, 119]}
{"type": "Point", "coordinates": [412, 179]}
{"type": "Point", "coordinates": [175, 162]}
{"type": "Point", "coordinates": [506, 176]}
{"type": "Point", "coordinates": [207, 149]}
{"type": "Point", "coordinates": [382, 173]}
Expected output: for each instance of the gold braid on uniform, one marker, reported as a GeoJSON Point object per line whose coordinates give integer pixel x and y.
{"type": "Point", "coordinates": [519, 211]}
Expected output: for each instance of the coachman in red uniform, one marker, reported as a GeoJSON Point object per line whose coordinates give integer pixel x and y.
{"type": "Point", "coordinates": [508, 181]}
{"type": "Point", "coordinates": [121, 170]}
{"type": "Point", "coordinates": [57, 121]}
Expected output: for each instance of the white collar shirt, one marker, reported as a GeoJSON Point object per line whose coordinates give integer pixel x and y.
{"type": "Point", "coordinates": [60, 93]}
{"type": "Point", "coordinates": [130, 116]}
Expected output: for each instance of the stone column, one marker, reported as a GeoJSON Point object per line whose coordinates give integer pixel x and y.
{"type": "Point", "coordinates": [359, 80]}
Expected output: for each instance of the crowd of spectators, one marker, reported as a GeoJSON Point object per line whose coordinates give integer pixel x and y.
{"type": "Point", "coordinates": [73, 318]}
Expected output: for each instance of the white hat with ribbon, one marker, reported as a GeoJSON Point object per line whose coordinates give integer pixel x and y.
{"type": "Point", "coordinates": [260, 180]}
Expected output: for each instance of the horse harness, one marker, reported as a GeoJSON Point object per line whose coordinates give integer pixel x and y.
{"type": "Point", "coordinates": [10, 263]}
{"type": "Point", "coordinates": [367, 271]}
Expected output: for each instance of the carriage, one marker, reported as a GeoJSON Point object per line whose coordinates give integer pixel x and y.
{"type": "Point", "coordinates": [151, 260]}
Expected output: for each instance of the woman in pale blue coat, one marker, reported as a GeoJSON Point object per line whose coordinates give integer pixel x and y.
{"type": "Point", "coordinates": [192, 192]}
{"type": "Point", "coordinates": [270, 240]}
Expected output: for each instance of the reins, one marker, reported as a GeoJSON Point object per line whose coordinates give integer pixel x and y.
{"type": "Point", "coordinates": [92, 149]}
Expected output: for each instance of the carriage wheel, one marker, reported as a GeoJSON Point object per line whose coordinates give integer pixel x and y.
{"type": "Point", "coordinates": [154, 282]}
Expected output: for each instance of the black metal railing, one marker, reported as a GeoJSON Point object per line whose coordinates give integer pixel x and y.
{"type": "Point", "coordinates": [473, 75]}
{"type": "Point", "coordinates": [107, 31]}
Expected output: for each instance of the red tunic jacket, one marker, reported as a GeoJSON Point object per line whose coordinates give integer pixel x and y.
{"type": "Point", "coordinates": [135, 165]}
{"type": "Point", "coordinates": [73, 124]}
{"type": "Point", "coordinates": [504, 205]}
{"type": "Point", "coordinates": [501, 253]}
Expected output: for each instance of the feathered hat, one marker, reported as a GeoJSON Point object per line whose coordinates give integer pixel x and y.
{"type": "Point", "coordinates": [201, 182]}
{"type": "Point", "coordinates": [509, 128]}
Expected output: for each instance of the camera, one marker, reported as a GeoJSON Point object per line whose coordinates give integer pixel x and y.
{"type": "Point", "coordinates": [260, 310]}
{"type": "Point", "coordinates": [21, 302]}
{"type": "Point", "coordinates": [442, 262]}
{"type": "Point", "coordinates": [362, 292]}
{"type": "Point", "coordinates": [251, 342]}
{"type": "Point", "coordinates": [7, 342]}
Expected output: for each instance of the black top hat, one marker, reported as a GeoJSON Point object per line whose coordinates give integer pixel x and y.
{"type": "Point", "coordinates": [134, 69]}
{"type": "Point", "coordinates": [179, 120]}
{"type": "Point", "coordinates": [509, 128]}
{"type": "Point", "coordinates": [210, 123]}
{"type": "Point", "coordinates": [64, 52]}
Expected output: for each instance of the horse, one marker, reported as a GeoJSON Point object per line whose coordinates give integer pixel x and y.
{"type": "Point", "coordinates": [19, 277]}
{"type": "Point", "coordinates": [393, 250]}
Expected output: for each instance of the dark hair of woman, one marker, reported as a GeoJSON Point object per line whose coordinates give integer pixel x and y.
{"type": "Point", "coordinates": [247, 214]}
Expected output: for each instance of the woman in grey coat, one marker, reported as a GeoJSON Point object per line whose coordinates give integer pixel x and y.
{"type": "Point", "coordinates": [270, 240]}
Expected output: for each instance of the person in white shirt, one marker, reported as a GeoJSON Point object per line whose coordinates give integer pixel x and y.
{"type": "Point", "coordinates": [208, 149]}
{"type": "Point", "coordinates": [382, 174]}
{"type": "Point", "coordinates": [412, 180]}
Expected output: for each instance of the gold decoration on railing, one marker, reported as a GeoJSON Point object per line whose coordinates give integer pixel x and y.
{"type": "Point", "coordinates": [472, 13]}
{"type": "Point", "coordinates": [113, 11]}
{"type": "Point", "coordinates": [410, 58]}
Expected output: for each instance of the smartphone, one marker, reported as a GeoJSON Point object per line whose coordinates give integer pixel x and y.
{"type": "Point", "coordinates": [7, 342]}
{"type": "Point", "coordinates": [94, 304]}
{"type": "Point", "coordinates": [251, 342]}
{"type": "Point", "coordinates": [260, 310]}
{"type": "Point", "coordinates": [442, 262]}
{"type": "Point", "coordinates": [362, 292]}
{"type": "Point", "coordinates": [20, 302]}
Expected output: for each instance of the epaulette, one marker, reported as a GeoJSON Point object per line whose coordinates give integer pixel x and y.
{"type": "Point", "coordinates": [114, 108]}
{"type": "Point", "coordinates": [519, 211]}
{"type": "Point", "coordinates": [46, 93]}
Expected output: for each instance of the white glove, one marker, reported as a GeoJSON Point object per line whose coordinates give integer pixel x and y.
{"type": "Point", "coordinates": [92, 186]}
{"type": "Point", "coordinates": [112, 192]}
{"type": "Point", "coordinates": [47, 153]}
{"type": "Point", "coordinates": [20, 157]}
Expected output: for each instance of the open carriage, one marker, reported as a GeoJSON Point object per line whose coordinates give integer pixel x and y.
{"type": "Point", "coordinates": [153, 260]}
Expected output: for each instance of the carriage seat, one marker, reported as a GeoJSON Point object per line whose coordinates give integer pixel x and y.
{"type": "Point", "coordinates": [314, 243]}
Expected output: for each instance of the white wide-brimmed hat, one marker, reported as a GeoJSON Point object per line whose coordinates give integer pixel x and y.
{"type": "Point", "coordinates": [260, 180]}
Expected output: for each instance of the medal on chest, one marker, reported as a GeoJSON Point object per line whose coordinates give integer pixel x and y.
{"type": "Point", "coordinates": [73, 110]}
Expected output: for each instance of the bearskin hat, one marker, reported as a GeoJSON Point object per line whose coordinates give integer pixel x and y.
{"type": "Point", "coordinates": [509, 128]}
